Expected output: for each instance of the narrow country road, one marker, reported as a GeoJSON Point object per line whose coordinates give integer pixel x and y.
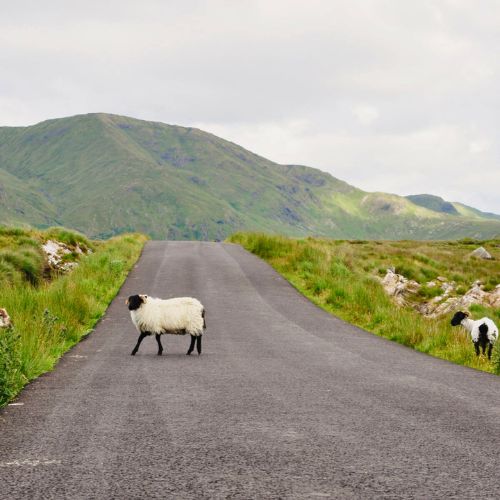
{"type": "Point", "coordinates": [286, 401]}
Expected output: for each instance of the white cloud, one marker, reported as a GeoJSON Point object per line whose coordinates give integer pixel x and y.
{"type": "Point", "coordinates": [478, 146]}
{"type": "Point", "coordinates": [366, 114]}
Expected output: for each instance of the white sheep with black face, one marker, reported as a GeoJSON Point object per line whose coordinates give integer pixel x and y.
{"type": "Point", "coordinates": [483, 331]}
{"type": "Point", "coordinates": [178, 316]}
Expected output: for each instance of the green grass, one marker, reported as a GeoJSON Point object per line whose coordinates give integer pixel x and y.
{"type": "Point", "coordinates": [69, 237]}
{"type": "Point", "coordinates": [52, 315]}
{"type": "Point", "coordinates": [341, 277]}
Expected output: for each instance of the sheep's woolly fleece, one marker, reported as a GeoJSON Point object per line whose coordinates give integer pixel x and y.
{"type": "Point", "coordinates": [472, 326]}
{"type": "Point", "coordinates": [176, 316]}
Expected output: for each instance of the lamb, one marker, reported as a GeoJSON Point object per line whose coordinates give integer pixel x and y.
{"type": "Point", "coordinates": [482, 331]}
{"type": "Point", "coordinates": [176, 316]}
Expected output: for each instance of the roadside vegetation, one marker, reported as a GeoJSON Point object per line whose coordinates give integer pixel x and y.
{"type": "Point", "coordinates": [51, 310]}
{"type": "Point", "coordinates": [343, 277]}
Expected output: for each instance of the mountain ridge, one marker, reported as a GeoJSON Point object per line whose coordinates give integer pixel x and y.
{"type": "Point", "coordinates": [104, 174]}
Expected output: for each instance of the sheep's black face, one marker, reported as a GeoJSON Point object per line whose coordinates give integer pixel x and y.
{"type": "Point", "coordinates": [457, 319]}
{"type": "Point", "coordinates": [134, 302]}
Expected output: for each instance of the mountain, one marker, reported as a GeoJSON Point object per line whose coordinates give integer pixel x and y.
{"type": "Point", "coordinates": [106, 174]}
{"type": "Point", "coordinates": [437, 204]}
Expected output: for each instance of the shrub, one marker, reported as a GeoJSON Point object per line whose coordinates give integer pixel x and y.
{"type": "Point", "coordinates": [27, 260]}
{"type": "Point", "coordinates": [11, 378]}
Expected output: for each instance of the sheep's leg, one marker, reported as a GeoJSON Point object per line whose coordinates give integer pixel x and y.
{"type": "Point", "coordinates": [191, 346]}
{"type": "Point", "coordinates": [490, 348]}
{"type": "Point", "coordinates": [141, 338]}
{"type": "Point", "coordinates": [476, 347]}
{"type": "Point", "coordinates": [160, 347]}
{"type": "Point", "coordinates": [198, 344]}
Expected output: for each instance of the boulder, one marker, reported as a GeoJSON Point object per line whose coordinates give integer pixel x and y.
{"type": "Point", "coordinates": [481, 253]}
{"type": "Point", "coordinates": [399, 287]}
{"type": "Point", "coordinates": [5, 321]}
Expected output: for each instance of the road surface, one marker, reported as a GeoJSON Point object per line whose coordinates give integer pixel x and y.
{"type": "Point", "coordinates": [286, 401]}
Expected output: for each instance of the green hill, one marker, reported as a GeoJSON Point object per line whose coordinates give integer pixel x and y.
{"type": "Point", "coordinates": [435, 203]}
{"type": "Point", "coordinates": [105, 174]}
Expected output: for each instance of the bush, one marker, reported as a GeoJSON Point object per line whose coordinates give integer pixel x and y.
{"type": "Point", "coordinates": [26, 260]}
{"type": "Point", "coordinates": [12, 231]}
{"type": "Point", "coordinates": [11, 378]}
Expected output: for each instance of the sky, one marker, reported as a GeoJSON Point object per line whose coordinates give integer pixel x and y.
{"type": "Point", "coordinates": [398, 96]}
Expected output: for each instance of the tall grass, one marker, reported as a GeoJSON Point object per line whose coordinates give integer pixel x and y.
{"type": "Point", "coordinates": [341, 277]}
{"type": "Point", "coordinates": [51, 317]}
{"type": "Point", "coordinates": [69, 237]}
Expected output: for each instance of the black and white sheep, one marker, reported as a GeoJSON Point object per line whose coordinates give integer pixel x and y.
{"type": "Point", "coordinates": [483, 331]}
{"type": "Point", "coordinates": [176, 316]}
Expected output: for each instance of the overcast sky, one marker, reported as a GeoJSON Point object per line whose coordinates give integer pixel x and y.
{"type": "Point", "coordinates": [399, 96]}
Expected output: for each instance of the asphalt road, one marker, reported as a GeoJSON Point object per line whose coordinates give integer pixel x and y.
{"type": "Point", "coordinates": [286, 401]}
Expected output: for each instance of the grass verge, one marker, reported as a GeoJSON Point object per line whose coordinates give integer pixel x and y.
{"type": "Point", "coordinates": [341, 277]}
{"type": "Point", "coordinates": [50, 317]}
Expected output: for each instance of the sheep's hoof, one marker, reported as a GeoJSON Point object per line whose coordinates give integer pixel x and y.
{"type": "Point", "coordinates": [188, 354]}
{"type": "Point", "coordinates": [159, 354]}
{"type": "Point", "coordinates": [132, 353]}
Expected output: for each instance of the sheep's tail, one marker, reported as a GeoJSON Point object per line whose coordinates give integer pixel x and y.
{"type": "Point", "coordinates": [203, 316]}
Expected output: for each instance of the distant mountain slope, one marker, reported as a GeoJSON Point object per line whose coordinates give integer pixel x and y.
{"type": "Point", "coordinates": [106, 174]}
{"type": "Point", "coordinates": [435, 203]}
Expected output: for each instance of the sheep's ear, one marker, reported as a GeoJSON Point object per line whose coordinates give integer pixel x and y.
{"type": "Point", "coordinates": [126, 302]}
{"type": "Point", "coordinates": [143, 297]}
{"type": "Point", "coordinates": [466, 314]}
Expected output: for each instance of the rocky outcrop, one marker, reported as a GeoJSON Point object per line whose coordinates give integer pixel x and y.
{"type": "Point", "coordinates": [5, 321]}
{"type": "Point", "coordinates": [56, 252]}
{"type": "Point", "coordinates": [476, 295]}
{"type": "Point", "coordinates": [399, 287]}
{"type": "Point", "coordinates": [403, 291]}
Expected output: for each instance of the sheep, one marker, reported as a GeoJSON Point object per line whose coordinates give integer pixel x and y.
{"type": "Point", "coordinates": [483, 331]}
{"type": "Point", "coordinates": [176, 316]}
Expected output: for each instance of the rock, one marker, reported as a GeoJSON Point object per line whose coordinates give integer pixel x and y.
{"type": "Point", "coordinates": [55, 251]}
{"type": "Point", "coordinates": [476, 295]}
{"type": "Point", "coordinates": [481, 253]}
{"type": "Point", "coordinates": [494, 298]}
{"type": "Point", "coordinates": [5, 321]}
{"type": "Point", "coordinates": [448, 287]}
{"type": "Point", "coordinates": [399, 287]}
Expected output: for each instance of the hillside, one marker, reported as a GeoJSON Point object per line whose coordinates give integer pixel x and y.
{"type": "Point", "coordinates": [105, 174]}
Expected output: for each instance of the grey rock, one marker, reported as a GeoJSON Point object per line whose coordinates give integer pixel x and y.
{"type": "Point", "coordinates": [481, 253]}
